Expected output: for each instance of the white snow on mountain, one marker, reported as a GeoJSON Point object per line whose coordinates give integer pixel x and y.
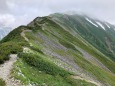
{"type": "Point", "coordinates": [107, 25]}
{"type": "Point", "coordinates": [101, 25]}
{"type": "Point", "coordinates": [91, 22]}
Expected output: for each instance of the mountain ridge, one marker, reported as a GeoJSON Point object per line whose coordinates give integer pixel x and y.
{"type": "Point", "coordinates": [62, 46]}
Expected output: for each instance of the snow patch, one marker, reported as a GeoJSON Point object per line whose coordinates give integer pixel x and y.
{"type": "Point", "coordinates": [101, 25]}
{"type": "Point", "coordinates": [91, 22]}
{"type": "Point", "coordinates": [107, 25]}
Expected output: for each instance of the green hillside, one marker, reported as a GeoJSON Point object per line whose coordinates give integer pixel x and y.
{"type": "Point", "coordinates": [62, 50]}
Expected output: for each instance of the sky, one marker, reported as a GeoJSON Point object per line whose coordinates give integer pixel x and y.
{"type": "Point", "coordinates": [14, 13]}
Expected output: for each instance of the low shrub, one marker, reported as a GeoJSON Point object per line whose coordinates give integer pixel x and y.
{"type": "Point", "coordinates": [9, 48]}
{"type": "Point", "coordinates": [43, 64]}
{"type": "Point", "coordinates": [2, 83]}
{"type": "Point", "coordinates": [36, 48]}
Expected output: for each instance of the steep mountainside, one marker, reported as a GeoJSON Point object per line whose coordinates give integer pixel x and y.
{"type": "Point", "coordinates": [100, 34]}
{"type": "Point", "coordinates": [62, 50]}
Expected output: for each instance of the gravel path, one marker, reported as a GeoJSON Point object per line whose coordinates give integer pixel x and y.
{"type": "Point", "coordinates": [5, 70]}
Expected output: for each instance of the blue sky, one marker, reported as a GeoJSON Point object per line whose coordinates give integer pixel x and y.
{"type": "Point", "coordinates": [20, 12]}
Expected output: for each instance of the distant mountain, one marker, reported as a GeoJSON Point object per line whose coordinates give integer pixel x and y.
{"type": "Point", "coordinates": [4, 31]}
{"type": "Point", "coordinates": [62, 50]}
{"type": "Point", "coordinates": [100, 34]}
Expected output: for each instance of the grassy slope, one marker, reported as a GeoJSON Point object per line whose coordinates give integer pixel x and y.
{"type": "Point", "coordinates": [67, 37]}
{"type": "Point", "coordinates": [95, 36]}
{"type": "Point", "coordinates": [37, 77]}
{"type": "Point", "coordinates": [54, 74]}
{"type": "Point", "coordinates": [27, 65]}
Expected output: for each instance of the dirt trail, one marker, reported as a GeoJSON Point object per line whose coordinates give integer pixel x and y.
{"type": "Point", "coordinates": [5, 70]}
{"type": "Point", "coordinates": [23, 34]}
{"type": "Point", "coordinates": [78, 77]}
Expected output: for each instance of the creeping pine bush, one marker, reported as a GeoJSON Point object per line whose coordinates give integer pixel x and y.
{"type": "Point", "coordinates": [9, 48]}
{"type": "Point", "coordinates": [2, 83]}
{"type": "Point", "coordinates": [43, 64]}
{"type": "Point", "coordinates": [36, 49]}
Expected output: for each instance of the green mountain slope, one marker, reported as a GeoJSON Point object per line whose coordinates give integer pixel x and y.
{"type": "Point", "coordinates": [101, 37]}
{"type": "Point", "coordinates": [62, 50]}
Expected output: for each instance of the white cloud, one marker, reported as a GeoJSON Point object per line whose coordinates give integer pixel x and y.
{"type": "Point", "coordinates": [24, 11]}
{"type": "Point", "coordinates": [6, 20]}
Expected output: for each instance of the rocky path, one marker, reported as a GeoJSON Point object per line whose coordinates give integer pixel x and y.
{"type": "Point", "coordinates": [5, 70]}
